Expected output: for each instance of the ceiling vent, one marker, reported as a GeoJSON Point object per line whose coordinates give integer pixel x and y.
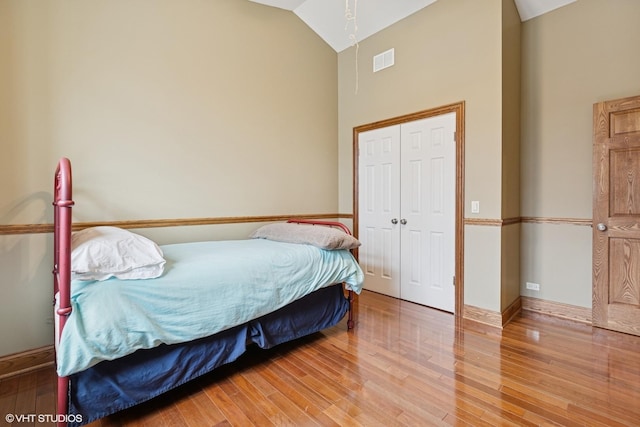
{"type": "Point", "coordinates": [383, 60]}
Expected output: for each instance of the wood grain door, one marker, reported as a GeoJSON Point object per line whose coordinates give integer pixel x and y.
{"type": "Point", "coordinates": [616, 215]}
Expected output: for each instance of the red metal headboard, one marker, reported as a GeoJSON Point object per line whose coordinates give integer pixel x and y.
{"type": "Point", "coordinates": [318, 222]}
{"type": "Point", "coordinates": [62, 204]}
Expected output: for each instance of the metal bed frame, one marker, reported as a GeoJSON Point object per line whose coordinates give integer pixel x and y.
{"type": "Point", "coordinates": [63, 203]}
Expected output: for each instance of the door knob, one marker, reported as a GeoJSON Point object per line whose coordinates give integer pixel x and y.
{"type": "Point", "coordinates": [403, 221]}
{"type": "Point", "coordinates": [394, 221]}
{"type": "Point", "coordinates": [601, 227]}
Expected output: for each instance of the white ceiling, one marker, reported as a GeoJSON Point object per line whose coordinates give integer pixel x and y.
{"type": "Point", "coordinates": [329, 18]}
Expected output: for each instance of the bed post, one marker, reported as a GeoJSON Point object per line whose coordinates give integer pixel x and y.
{"type": "Point", "coordinates": [62, 203]}
{"type": "Point", "coordinates": [350, 321]}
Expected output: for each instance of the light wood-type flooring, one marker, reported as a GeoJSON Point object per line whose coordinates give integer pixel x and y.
{"type": "Point", "coordinates": [403, 365]}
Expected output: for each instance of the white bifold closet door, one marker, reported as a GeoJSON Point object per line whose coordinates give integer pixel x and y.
{"type": "Point", "coordinates": [406, 205]}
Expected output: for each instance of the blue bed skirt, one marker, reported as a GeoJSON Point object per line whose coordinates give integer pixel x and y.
{"type": "Point", "coordinates": [112, 386]}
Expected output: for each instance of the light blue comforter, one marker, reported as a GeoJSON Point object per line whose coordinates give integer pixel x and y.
{"type": "Point", "coordinates": [207, 287]}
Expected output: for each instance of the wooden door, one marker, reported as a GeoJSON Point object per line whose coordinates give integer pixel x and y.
{"type": "Point", "coordinates": [616, 215]}
{"type": "Point", "coordinates": [427, 210]}
{"type": "Point", "coordinates": [379, 209]}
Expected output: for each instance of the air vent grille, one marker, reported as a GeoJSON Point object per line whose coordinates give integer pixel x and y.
{"type": "Point", "coordinates": [383, 60]}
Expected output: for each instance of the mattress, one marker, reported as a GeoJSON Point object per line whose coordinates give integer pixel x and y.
{"type": "Point", "coordinates": [207, 287]}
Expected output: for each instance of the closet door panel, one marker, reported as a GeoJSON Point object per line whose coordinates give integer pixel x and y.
{"type": "Point", "coordinates": [379, 192]}
{"type": "Point", "coordinates": [406, 190]}
{"type": "Point", "coordinates": [428, 208]}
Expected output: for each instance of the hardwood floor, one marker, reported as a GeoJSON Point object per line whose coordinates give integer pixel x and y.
{"type": "Point", "coordinates": [403, 365]}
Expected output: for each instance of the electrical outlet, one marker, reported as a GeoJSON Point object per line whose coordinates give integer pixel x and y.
{"type": "Point", "coordinates": [533, 286]}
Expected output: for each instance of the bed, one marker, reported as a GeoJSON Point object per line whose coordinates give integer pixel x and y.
{"type": "Point", "coordinates": [135, 320]}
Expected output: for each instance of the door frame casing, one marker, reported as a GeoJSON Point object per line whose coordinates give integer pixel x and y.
{"type": "Point", "coordinates": [458, 108]}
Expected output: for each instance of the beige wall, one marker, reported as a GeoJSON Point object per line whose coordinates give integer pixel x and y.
{"type": "Point", "coordinates": [448, 52]}
{"type": "Point", "coordinates": [573, 57]}
{"type": "Point", "coordinates": [570, 59]}
{"type": "Point", "coordinates": [167, 109]}
{"type": "Point", "coordinates": [190, 109]}
{"type": "Point", "coordinates": [445, 53]}
{"type": "Point", "coordinates": [511, 72]}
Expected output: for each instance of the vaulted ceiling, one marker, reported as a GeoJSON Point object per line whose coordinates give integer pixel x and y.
{"type": "Point", "coordinates": [330, 19]}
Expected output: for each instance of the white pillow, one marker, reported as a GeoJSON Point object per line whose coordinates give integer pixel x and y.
{"type": "Point", "coordinates": [322, 237]}
{"type": "Point", "coordinates": [98, 253]}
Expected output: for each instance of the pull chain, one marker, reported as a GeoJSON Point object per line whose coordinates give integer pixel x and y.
{"type": "Point", "coordinates": [352, 17]}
